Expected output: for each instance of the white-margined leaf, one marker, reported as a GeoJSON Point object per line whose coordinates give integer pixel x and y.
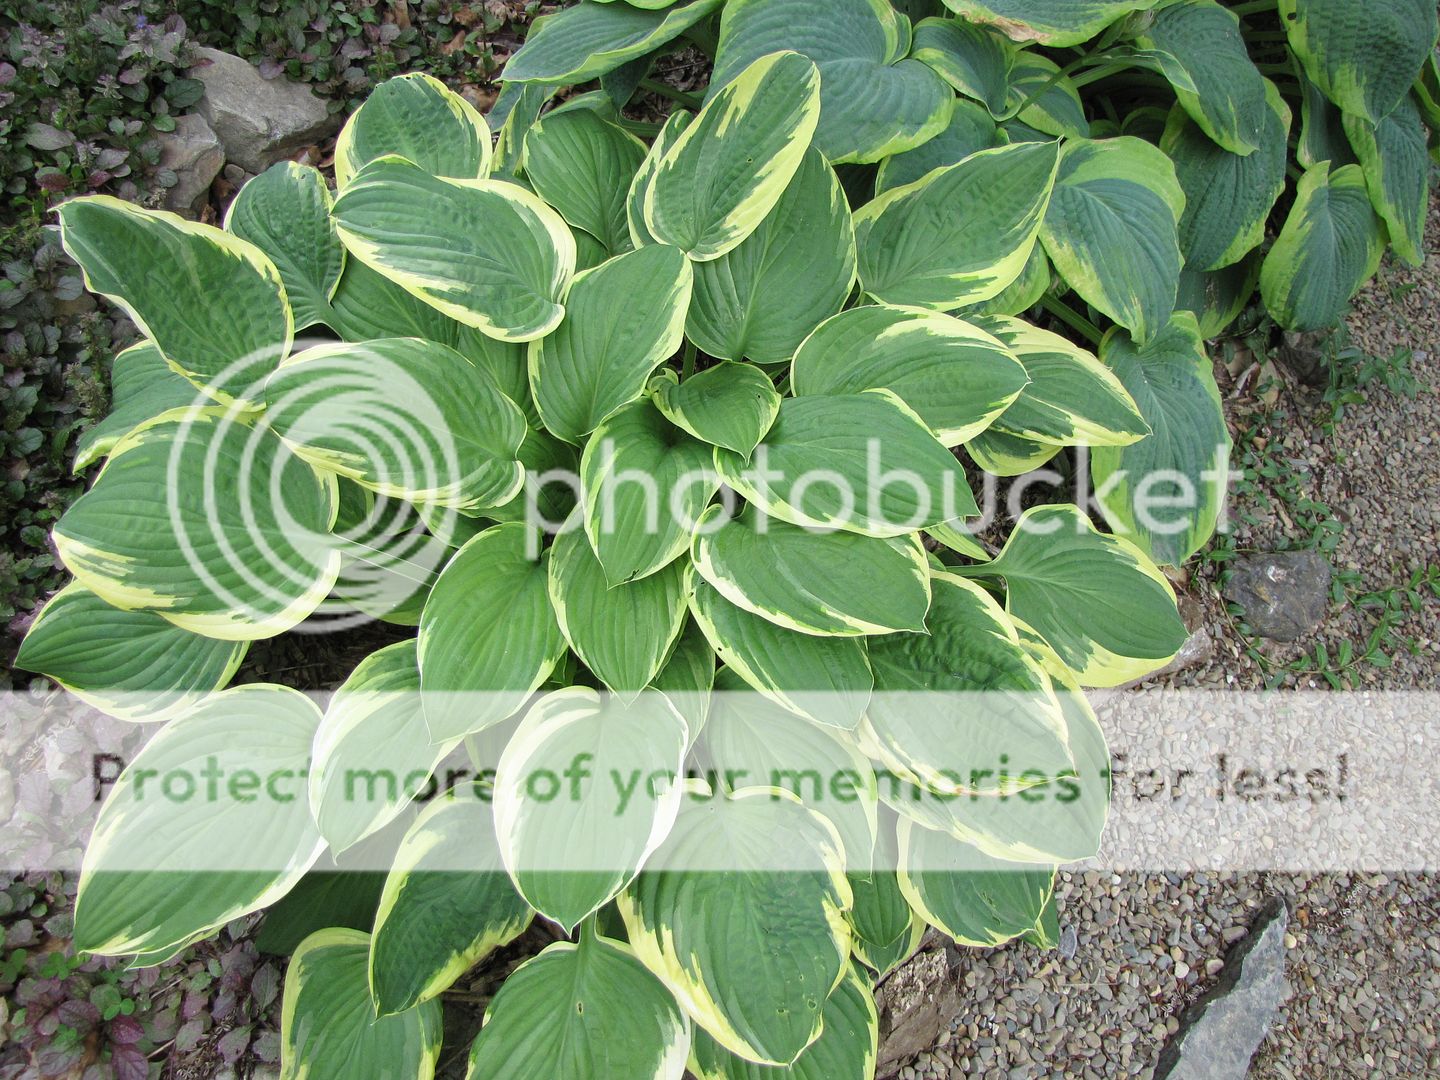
{"type": "Point", "coordinates": [582, 42]}
{"type": "Point", "coordinates": [419, 118]}
{"type": "Point", "coordinates": [731, 405]}
{"type": "Point", "coordinates": [583, 165]}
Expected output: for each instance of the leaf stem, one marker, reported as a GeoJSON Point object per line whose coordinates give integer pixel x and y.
{"type": "Point", "coordinates": [687, 365]}
{"type": "Point", "coordinates": [1072, 318]}
{"type": "Point", "coordinates": [655, 86]}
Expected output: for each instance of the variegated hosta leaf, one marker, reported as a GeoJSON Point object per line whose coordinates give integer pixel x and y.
{"type": "Point", "coordinates": [973, 58]}
{"type": "Point", "coordinates": [1186, 459]}
{"type": "Point", "coordinates": [960, 234]}
{"type": "Point", "coordinates": [588, 1010]}
{"type": "Point", "coordinates": [285, 212]}
{"type": "Point", "coordinates": [1022, 294]}
{"type": "Point", "coordinates": [401, 417]}
{"type": "Point", "coordinates": [751, 954]}
{"type": "Point", "coordinates": [885, 930]}
{"type": "Point", "coordinates": [1095, 599]}
{"type": "Point", "coordinates": [1216, 299]}
{"type": "Point", "coordinates": [579, 43]}
{"type": "Point", "coordinates": [1228, 198]}
{"type": "Point", "coordinates": [1111, 230]}
{"type": "Point", "coordinates": [1004, 454]}
{"type": "Point", "coordinates": [831, 584]}
{"type": "Point", "coordinates": [1363, 56]}
{"type": "Point", "coordinates": [583, 165]}
{"type": "Point", "coordinates": [730, 405]}
{"type": "Point", "coordinates": [957, 377]}
{"type": "Point", "coordinates": [586, 790]}
{"type": "Point", "coordinates": [419, 118]}
{"type": "Point", "coordinates": [447, 904]}
{"type": "Point", "coordinates": [1198, 47]}
{"type": "Point", "coordinates": [1050, 22]}
{"type": "Point", "coordinates": [133, 665]}
{"type": "Point", "coordinates": [1322, 127]}
{"type": "Point", "coordinates": [1395, 156]}
{"type": "Point", "coordinates": [391, 554]}
{"type": "Point", "coordinates": [328, 1023]}
{"type": "Point", "coordinates": [725, 172]}
{"type": "Point", "coordinates": [645, 484]}
{"type": "Point", "coordinates": [1330, 246]}
{"type": "Point", "coordinates": [545, 500]}
{"type": "Point", "coordinates": [625, 317]}
{"type": "Point", "coordinates": [827, 679]}
{"type": "Point", "coordinates": [1054, 106]}
{"type": "Point", "coordinates": [874, 101]}
{"type": "Point", "coordinates": [845, 1050]}
{"type": "Point", "coordinates": [884, 473]}
{"type": "Point", "coordinates": [235, 850]}
{"type": "Point", "coordinates": [675, 125]}
{"type": "Point", "coordinates": [507, 280]}
{"type": "Point", "coordinates": [239, 552]}
{"type": "Point", "coordinates": [970, 130]}
{"type": "Point", "coordinates": [213, 304]}
{"type": "Point", "coordinates": [746, 304]}
{"type": "Point", "coordinates": [488, 635]}
{"type": "Point", "coordinates": [688, 677]}
{"type": "Point", "coordinates": [142, 386]}
{"type": "Point", "coordinates": [515, 111]}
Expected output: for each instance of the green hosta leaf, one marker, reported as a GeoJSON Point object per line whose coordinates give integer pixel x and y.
{"type": "Point", "coordinates": [873, 100]}
{"type": "Point", "coordinates": [579, 43]}
{"type": "Point", "coordinates": [1186, 459]}
{"type": "Point", "coordinates": [324, 898]}
{"type": "Point", "coordinates": [452, 439]}
{"type": "Point", "coordinates": [328, 1026]}
{"type": "Point", "coordinates": [835, 584]}
{"type": "Point", "coordinates": [129, 664]}
{"type": "Point", "coordinates": [625, 317]}
{"type": "Point", "coordinates": [862, 444]}
{"type": "Point", "coordinates": [1022, 294]}
{"type": "Point", "coordinates": [1227, 197]}
{"type": "Point", "coordinates": [418, 118]}
{"type": "Point", "coordinates": [235, 553]}
{"type": "Point", "coordinates": [1054, 104]}
{"type": "Point", "coordinates": [1050, 22]}
{"type": "Point", "coordinates": [688, 677]}
{"type": "Point", "coordinates": [751, 955]}
{"type": "Point", "coordinates": [588, 1010]}
{"type": "Point", "coordinates": [845, 1050]}
{"type": "Point", "coordinates": [645, 485]}
{"type": "Point", "coordinates": [590, 611]}
{"type": "Point", "coordinates": [1217, 299]}
{"type": "Point", "coordinates": [488, 635]}
{"type": "Point", "coordinates": [1004, 454]}
{"type": "Point", "coordinates": [970, 130]}
{"type": "Point", "coordinates": [724, 173]}
{"type": "Point", "coordinates": [1198, 47]}
{"type": "Point", "coordinates": [515, 111]}
{"type": "Point", "coordinates": [583, 165]}
{"type": "Point", "coordinates": [285, 212]}
{"type": "Point", "coordinates": [447, 904]}
{"type": "Point", "coordinates": [213, 304]}
{"type": "Point", "coordinates": [960, 234]}
{"type": "Point", "coordinates": [1395, 156]}
{"type": "Point", "coordinates": [142, 386]}
{"type": "Point", "coordinates": [675, 126]}
{"type": "Point", "coordinates": [418, 230]}
{"type": "Point", "coordinates": [824, 678]}
{"type": "Point", "coordinates": [587, 788]}
{"type": "Point", "coordinates": [745, 302]}
{"type": "Point", "coordinates": [885, 930]}
{"type": "Point", "coordinates": [1363, 56]}
{"type": "Point", "coordinates": [972, 58]}
{"type": "Point", "coordinates": [1330, 246]}
{"type": "Point", "coordinates": [1111, 230]}
{"type": "Point", "coordinates": [546, 500]}
{"type": "Point", "coordinates": [1095, 599]}
{"type": "Point", "coordinates": [241, 850]}
{"type": "Point", "coordinates": [1322, 129]}
{"type": "Point", "coordinates": [730, 405]}
{"type": "Point", "coordinates": [957, 377]}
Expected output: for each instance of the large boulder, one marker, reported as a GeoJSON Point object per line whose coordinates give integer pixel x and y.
{"type": "Point", "coordinates": [194, 154]}
{"type": "Point", "coordinates": [259, 121]}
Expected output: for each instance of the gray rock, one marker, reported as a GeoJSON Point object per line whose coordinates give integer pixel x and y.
{"type": "Point", "coordinates": [1307, 356]}
{"type": "Point", "coordinates": [194, 154]}
{"type": "Point", "coordinates": [1284, 596]}
{"type": "Point", "coordinates": [259, 121]}
{"type": "Point", "coordinates": [1220, 1034]}
{"type": "Point", "coordinates": [915, 1004]}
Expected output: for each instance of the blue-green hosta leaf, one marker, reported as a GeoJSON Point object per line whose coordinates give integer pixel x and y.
{"type": "Point", "coordinates": [824, 678]}
{"type": "Point", "coordinates": [1363, 56]}
{"type": "Point", "coordinates": [973, 58]}
{"type": "Point", "coordinates": [142, 386]}
{"type": "Point", "coordinates": [1050, 22]}
{"type": "Point", "coordinates": [488, 635]}
{"type": "Point", "coordinates": [417, 117]}
{"type": "Point", "coordinates": [885, 929]}
{"type": "Point", "coordinates": [831, 584]}
{"type": "Point", "coordinates": [391, 554]}
{"type": "Point", "coordinates": [688, 677]}
{"type": "Point", "coordinates": [133, 665]}
{"type": "Point", "coordinates": [588, 1010]}
{"type": "Point", "coordinates": [625, 317]}
{"type": "Point", "coordinates": [586, 790]}
{"type": "Point", "coordinates": [213, 304]}
{"type": "Point", "coordinates": [582, 42]}
{"type": "Point", "coordinates": [328, 1025]}
{"type": "Point", "coordinates": [238, 552]}
{"type": "Point", "coordinates": [874, 101]}
{"type": "Point", "coordinates": [515, 111]}
{"type": "Point", "coordinates": [957, 377]}
{"type": "Point", "coordinates": [1185, 460]}
{"type": "Point", "coordinates": [752, 955]}
{"type": "Point", "coordinates": [583, 165]}
{"type": "Point", "coordinates": [1331, 245]}
{"type": "Point", "coordinates": [675, 125]}
{"type": "Point", "coordinates": [240, 851]}
{"type": "Point", "coordinates": [285, 212]}
{"type": "Point", "coordinates": [1395, 156]}
{"type": "Point", "coordinates": [1322, 128]}
{"type": "Point", "coordinates": [730, 405]}
{"type": "Point", "coordinates": [960, 234]}
{"type": "Point", "coordinates": [1095, 599]}
{"type": "Point", "coordinates": [1111, 230]}
{"type": "Point", "coordinates": [745, 302]}
{"type": "Point", "coordinates": [1216, 299]}
{"type": "Point", "coordinates": [1022, 294]}
{"type": "Point", "coordinates": [1047, 101]}
{"type": "Point", "coordinates": [1004, 454]}
{"type": "Point", "coordinates": [507, 280]}
{"type": "Point", "coordinates": [970, 130]}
